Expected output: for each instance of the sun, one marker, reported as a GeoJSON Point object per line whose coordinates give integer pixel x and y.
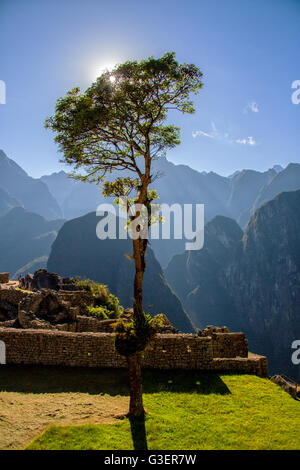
{"type": "Point", "coordinates": [104, 67]}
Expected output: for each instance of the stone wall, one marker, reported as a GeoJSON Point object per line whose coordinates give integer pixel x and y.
{"type": "Point", "coordinates": [80, 299]}
{"type": "Point", "coordinates": [92, 324]}
{"type": "Point", "coordinates": [253, 364]}
{"type": "Point", "coordinates": [4, 278]}
{"type": "Point", "coordinates": [229, 345]}
{"type": "Point", "coordinates": [9, 301]}
{"type": "Point", "coordinates": [97, 350]}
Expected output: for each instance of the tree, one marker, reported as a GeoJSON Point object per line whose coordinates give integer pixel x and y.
{"type": "Point", "coordinates": [118, 124]}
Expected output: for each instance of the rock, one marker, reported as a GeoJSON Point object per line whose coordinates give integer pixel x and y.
{"type": "Point", "coordinates": [45, 306]}
{"type": "Point", "coordinates": [9, 300]}
{"type": "Point", "coordinates": [42, 279]}
{"type": "Point", "coordinates": [287, 384]}
{"type": "Point", "coordinates": [211, 330]}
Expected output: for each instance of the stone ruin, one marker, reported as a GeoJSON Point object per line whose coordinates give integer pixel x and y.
{"type": "Point", "coordinates": [4, 278]}
{"type": "Point", "coordinates": [42, 279]}
{"type": "Point", "coordinates": [45, 310]}
{"type": "Point", "coordinates": [212, 330]}
{"type": "Point", "coordinates": [42, 302]}
{"type": "Point", "coordinates": [49, 325]}
{"type": "Point", "coordinates": [50, 301]}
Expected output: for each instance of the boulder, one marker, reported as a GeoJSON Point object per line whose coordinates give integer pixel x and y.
{"type": "Point", "coordinates": [45, 306]}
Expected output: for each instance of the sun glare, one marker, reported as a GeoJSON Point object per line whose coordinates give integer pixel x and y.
{"type": "Point", "coordinates": [104, 67]}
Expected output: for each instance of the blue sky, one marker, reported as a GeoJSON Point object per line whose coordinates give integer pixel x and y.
{"type": "Point", "coordinates": [248, 51]}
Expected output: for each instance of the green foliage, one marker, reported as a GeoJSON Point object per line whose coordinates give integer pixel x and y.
{"type": "Point", "coordinates": [106, 305]}
{"type": "Point", "coordinates": [160, 321]}
{"type": "Point", "coordinates": [133, 337]}
{"type": "Point", "coordinates": [120, 119]}
{"type": "Point", "coordinates": [102, 313]}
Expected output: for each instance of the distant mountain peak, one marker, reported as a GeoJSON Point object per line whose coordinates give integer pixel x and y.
{"type": "Point", "coordinates": [277, 168]}
{"type": "Point", "coordinates": [234, 174]}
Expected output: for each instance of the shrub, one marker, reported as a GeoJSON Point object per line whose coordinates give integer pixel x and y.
{"type": "Point", "coordinates": [106, 305]}
{"type": "Point", "coordinates": [133, 337]}
{"type": "Point", "coordinates": [102, 313]}
{"type": "Point", "coordinates": [161, 321]}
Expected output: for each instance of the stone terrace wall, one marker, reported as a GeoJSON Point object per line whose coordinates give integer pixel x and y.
{"type": "Point", "coordinates": [4, 278]}
{"type": "Point", "coordinates": [92, 324]}
{"type": "Point", "coordinates": [79, 299]}
{"type": "Point", "coordinates": [229, 345]}
{"type": "Point", "coordinates": [97, 350]}
{"type": "Point", "coordinates": [253, 364]}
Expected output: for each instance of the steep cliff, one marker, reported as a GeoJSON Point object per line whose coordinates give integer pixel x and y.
{"type": "Point", "coordinates": [198, 276]}
{"type": "Point", "coordinates": [251, 283]}
{"type": "Point", "coordinates": [266, 281]}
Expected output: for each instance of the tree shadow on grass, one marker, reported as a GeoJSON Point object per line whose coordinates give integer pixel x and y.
{"type": "Point", "coordinates": [138, 432]}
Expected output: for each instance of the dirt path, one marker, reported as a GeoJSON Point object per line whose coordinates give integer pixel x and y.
{"type": "Point", "coordinates": [26, 412]}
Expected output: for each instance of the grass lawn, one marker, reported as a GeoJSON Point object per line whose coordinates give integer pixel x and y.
{"type": "Point", "coordinates": [193, 410]}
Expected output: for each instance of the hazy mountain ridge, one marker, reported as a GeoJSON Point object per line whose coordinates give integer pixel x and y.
{"type": "Point", "coordinates": [7, 201]}
{"type": "Point", "coordinates": [229, 196]}
{"type": "Point", "coordinates": [30, 193]}
{"type": "Point", "coordinates": [24, 237]}
{"type": "Point", "coordinates": [236, 196]}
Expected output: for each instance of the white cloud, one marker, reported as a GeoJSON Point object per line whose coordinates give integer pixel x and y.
{"type": "Point", "coordinates": [251, 106]}
{"type": "Point", "coordinates": [205, 134]}
{"type": "Point", "coordinates": [248, 141]}
{"type": "Point", "coordinates": [213, 134]}
{"type": "Point", "coordinates": [217, 135]}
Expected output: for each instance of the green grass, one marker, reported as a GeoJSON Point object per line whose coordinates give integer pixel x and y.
{"type": "Point", "coordinates": [193, 410]}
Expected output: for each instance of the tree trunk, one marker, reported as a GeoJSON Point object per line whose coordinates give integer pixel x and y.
{"type": "Point", "coordinates": [139, 251]}
{"type": "Point", "coordinates": [136, 407]}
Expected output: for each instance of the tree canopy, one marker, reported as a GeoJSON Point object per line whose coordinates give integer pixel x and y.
{"type": "Point", "coordinates": [120, 120]}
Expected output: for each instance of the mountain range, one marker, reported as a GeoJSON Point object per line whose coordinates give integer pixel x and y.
{"type": "Point", "coordinates": [248, 281]}
{"type": "Point", "coordinates": [237, 196]}
{"type": "Point", "coordinates": [247, 276]}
